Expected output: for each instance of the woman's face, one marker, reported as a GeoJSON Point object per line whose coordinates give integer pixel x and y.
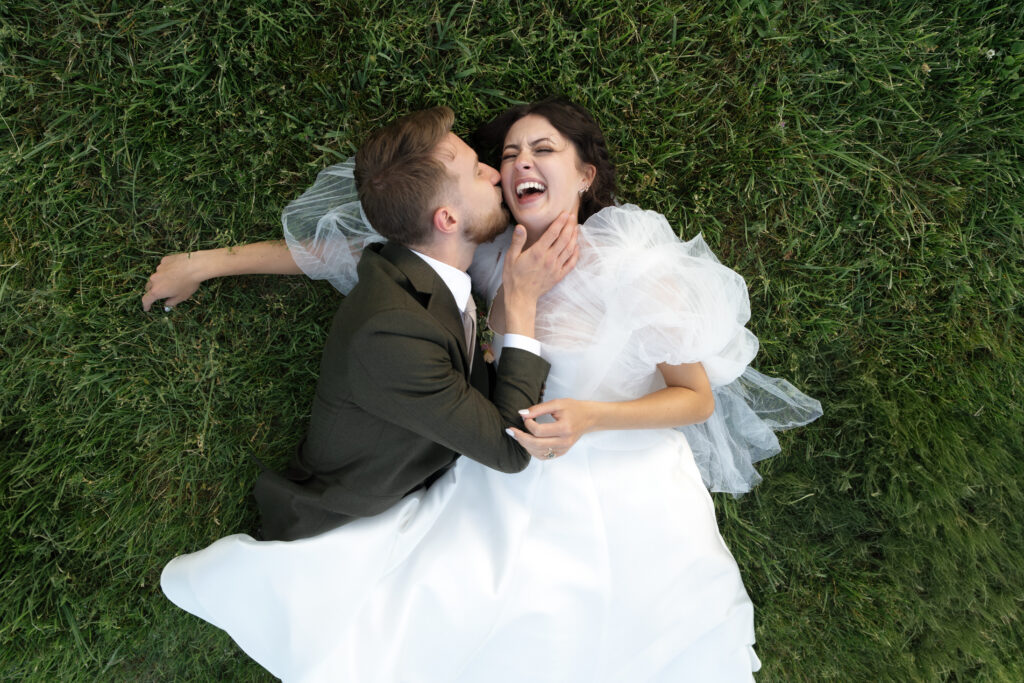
{"type": "Point", "coordinates": [541, 174]}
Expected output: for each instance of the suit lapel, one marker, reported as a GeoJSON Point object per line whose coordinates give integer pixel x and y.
{"type": "Point", "coordinates": [433, 292]}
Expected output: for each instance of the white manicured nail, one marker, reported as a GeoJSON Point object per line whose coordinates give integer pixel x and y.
{"type": "Point", "coordinates": [167, 309]}
{"type": "Point", "coordinates": [510, 432]}
{"type": "Point", "coordinates": [524, 411]}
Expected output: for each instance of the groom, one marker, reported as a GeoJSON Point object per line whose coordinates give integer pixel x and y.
{"type": "Point", "coordinates": [403, 389]}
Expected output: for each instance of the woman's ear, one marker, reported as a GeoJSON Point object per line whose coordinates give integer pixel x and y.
{"type": "Point", "coordinates": [589, 173]}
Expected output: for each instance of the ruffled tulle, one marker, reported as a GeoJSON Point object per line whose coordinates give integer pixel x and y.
{"type": "Point", "coordinates": [326, 229]}
{"type": "Point", "coordinates": [748, 412]}
{"type": "Point", "coordinates": [639, 296]}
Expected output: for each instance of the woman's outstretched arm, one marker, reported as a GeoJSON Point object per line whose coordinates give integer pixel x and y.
{"type": "Point", "coordinates": [179, 275]}
{"type": "Point", "coordinates": [686, 400]}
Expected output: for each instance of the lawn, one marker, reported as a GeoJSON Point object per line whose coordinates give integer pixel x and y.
{"type": "Point", "coordinates": [858, 162]}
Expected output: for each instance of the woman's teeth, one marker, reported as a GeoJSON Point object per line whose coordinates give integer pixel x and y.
{"type": "Point", "coordinates": [523, 188]}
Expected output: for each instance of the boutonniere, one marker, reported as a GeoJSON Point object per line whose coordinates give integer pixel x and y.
{"type": "Point", "coordinates": [484, 334]}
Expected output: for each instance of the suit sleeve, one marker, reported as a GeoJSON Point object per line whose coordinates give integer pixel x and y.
{"type": "Point", "coordinates": [401, 370]}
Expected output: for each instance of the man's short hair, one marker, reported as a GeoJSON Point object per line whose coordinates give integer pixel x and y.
{"type": "Point", "coordinates": [401, 180]}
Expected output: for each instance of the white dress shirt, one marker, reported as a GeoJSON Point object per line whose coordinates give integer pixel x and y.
{"type": "Point", "coordinates": [461, 286]}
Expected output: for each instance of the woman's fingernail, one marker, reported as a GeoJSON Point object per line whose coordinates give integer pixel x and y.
{"type": "Point", "coordinates": [524, 411]}
{"type": "Point", "coordinates": [510, 432]}
{"type": "Point", "coordinates": [167, 309]}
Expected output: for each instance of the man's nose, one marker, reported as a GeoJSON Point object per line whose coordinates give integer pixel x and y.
{"type": "Point", "coordinates": [495, 177]}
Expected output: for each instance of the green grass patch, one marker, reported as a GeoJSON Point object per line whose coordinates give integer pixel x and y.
{"type": "Point", "coordinates": [859, 163]}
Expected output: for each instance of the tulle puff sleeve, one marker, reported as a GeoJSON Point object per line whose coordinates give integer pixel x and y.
{"type": "Point", "coordinates": [639, 297]}
{"type": "Point", "coordinates": [326, 229]}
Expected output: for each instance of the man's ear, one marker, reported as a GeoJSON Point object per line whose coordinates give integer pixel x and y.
{"type": "Point", "coordinates": [446, 219]}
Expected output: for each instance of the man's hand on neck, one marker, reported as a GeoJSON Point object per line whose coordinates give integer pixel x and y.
{"type": "Point", "coordinates": [531, 272]}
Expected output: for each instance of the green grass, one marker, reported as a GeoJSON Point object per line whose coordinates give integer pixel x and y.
{"type": "Point", "coordinates": [875, 206]}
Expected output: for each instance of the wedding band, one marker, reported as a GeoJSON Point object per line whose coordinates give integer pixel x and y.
{"type": "Point", "coordinates": [550, 454]}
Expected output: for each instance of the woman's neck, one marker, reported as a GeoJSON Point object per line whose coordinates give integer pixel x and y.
{"type": "Point", "coordinates": [534, 232]}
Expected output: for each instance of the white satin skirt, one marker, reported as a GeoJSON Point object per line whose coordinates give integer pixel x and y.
{"type": "Point", "coordinates": [603, 565]}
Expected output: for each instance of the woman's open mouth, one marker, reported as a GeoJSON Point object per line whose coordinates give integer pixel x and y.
{"type": "Point", "coordinates": [529, 191]}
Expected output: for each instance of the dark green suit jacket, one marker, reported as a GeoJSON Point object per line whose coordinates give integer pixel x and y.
{"type": "Point", "coordinates": [396, 402]}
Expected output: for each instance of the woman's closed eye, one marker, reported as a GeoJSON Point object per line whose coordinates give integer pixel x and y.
{"type": "Point", "coordinates": [539, 150]}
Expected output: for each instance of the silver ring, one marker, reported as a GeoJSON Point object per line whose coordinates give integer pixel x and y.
{"type": "Point", "coordinates": [550, 454]}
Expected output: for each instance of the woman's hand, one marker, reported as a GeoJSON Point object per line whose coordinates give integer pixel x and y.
{"type": "Point", "coordinates": [572, 418]}
{"type": "Point", "coordinates": [176, 279]}
{"type": "Point", "coordinates": [536, 447]}
{"type": "Point", "coordinates": [546, 440]}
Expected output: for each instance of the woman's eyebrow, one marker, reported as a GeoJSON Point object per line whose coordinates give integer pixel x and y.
{"type": "Point", "coordinates": [533, 143]}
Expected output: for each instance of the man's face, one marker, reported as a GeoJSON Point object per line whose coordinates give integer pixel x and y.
{"type": "Point", "coordinates": [477, 193]}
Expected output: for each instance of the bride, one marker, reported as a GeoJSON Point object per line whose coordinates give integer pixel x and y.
{"type": "Point", "coordinates": [602, 564]}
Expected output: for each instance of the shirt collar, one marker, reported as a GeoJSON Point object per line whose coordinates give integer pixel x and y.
{"type": "Point", "coordinates": [457, 281]}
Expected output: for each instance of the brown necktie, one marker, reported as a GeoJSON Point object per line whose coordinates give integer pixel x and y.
{"type": "Point", "coordinates": [469, 324]}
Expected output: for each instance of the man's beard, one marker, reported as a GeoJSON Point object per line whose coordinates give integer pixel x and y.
{"type": "Point", "coordinates": [486, 228]}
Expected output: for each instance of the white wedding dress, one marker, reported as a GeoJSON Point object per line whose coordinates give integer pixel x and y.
{"type": "Point", "coordinates": [602, 565]}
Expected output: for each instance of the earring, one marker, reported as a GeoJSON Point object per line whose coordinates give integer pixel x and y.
{"type": "Point", "coordinates": [584, 189]}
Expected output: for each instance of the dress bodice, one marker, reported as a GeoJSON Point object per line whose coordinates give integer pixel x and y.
{"type": "Point", "coordinates": [637, 297]}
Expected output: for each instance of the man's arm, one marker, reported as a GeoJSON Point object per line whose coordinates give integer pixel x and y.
{"type": "Point", "coordinates": [401, 370]}
{"type": "Point", "coordinates": [179, 275]}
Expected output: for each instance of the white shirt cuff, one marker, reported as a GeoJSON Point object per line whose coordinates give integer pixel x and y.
{"type": "Point", "coordinates": [519, 341]}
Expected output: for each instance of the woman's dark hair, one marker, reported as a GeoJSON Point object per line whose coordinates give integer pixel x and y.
{"type": "Point", "coordinates": [576, 124]}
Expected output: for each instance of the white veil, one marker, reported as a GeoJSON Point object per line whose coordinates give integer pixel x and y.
{"type": "Point", "coordinates": [326, 229]}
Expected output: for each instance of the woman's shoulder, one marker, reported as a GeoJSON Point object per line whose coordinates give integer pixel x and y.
{"type": "Point", "coordinates": [629, 212]}
{"type": "Point", "coordinates": [631, 228]}
{"type": "Point", "coordinates": [629, 225]}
